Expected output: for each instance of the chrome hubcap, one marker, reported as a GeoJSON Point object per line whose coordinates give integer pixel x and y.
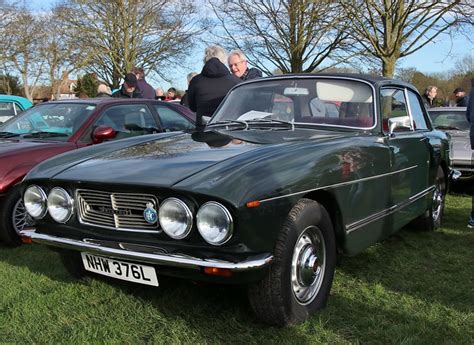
{"type": "Point", "coordinates": [20, 218]}
{"type": "Point", "coordinates": [308, 265]}
{"type": "Point", "coordinates": [437, 201]}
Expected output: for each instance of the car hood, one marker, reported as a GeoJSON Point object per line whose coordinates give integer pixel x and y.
{"type": "Point", "coordinates": [18, 156]}
{"type": "Point", "coordinates": [165, 161]}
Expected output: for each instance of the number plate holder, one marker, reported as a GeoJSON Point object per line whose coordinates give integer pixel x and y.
{"type": "Point", "coordinates": [118, 269]}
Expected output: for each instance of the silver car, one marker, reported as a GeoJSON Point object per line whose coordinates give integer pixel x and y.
{"type": "Point", "coordinates": [453, 121]}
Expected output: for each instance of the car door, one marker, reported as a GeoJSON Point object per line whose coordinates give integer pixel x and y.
{"type": "Point", "coordinates": [409, 156]}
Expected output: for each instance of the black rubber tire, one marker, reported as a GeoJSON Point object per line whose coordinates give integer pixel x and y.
{"type": "Point", "coordinates": [273, 299]}
{"type": "Point", "coordinates": [72, 263]}
{"type": "Point", "coordinates": [433, 216]}
{"type": "Point", "coordinates": [8, 232]}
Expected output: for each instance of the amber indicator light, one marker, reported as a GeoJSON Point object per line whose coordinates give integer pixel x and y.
{"type": "Point", "coordinates": [252, 204]}
{"type": "Point", "coordinates": [26, 240]}
{"type": "Point", "coordinates": [214, 271]}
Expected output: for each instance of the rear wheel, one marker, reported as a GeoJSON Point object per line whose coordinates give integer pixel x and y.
{"type": "Point", "coordinates": [300, 277]}
{"type": "Point", "coordinates": [13, 218]}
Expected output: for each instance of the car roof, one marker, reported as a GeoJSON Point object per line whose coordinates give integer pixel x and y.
{"type": "Point", "coordinates": [371, 79]}
{"type": "Point", "coordinates": [109, 100]}
{"type": "Point", "coordinates": [25, 102]}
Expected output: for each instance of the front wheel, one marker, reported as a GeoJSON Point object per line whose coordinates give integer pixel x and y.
{"type": "Point", "coordinates": [13, 218]}
{"type": "Point", "coordinates": [300, 278]}
{"type": "Point", "coordinates": [431, 219]}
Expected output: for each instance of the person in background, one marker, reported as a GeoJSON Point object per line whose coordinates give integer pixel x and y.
{"type": "Point", "coordinates": [159, 94]}
{"type": "Point", "coordinates": [470, 118]}
{"type": "Point", "coordinates": [146, 89]}
{"type": "Point", "coordinates": [171, 94]}
{"type": "Point", "coordinates": [103, 91]}
{"type": "Point", "coordinates": [208, 89]}
{"type": "Point", "coordinates": [238, 65]}
{"type": "Point", "coordinates": [429, 96]}
{"type": "Point", "coordinates": [184, 99]}
{"type": "Point", "coordinates": [461, 98]}
{"type": "Point", "coordinates": [129, 88]}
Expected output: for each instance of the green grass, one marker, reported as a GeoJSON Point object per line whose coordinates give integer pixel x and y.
{"type": "Point", "coordinates": [414, 288]}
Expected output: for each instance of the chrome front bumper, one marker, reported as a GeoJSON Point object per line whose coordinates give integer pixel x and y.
{"type": "Point", "coordinates": [146, 254]}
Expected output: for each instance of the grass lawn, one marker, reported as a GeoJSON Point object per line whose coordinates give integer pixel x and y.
{"type": "Point", "coordinates": [415, 288]}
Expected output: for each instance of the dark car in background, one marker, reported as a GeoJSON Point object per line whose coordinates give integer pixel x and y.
{"type": "Point", "coordinates": [453, 121]}
{"type": "Point", "coordinates": [290, 172]}
{"type": "Point", "coordinates": [57, 127]}
{"type": "Point", "coordinates": [11, 106]}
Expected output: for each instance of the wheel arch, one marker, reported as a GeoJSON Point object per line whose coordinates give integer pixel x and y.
{"type": "Point", "coordinates": [331, 205]}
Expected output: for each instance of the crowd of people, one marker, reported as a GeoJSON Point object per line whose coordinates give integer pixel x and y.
{"type": "Point", "coordinates": [205, 90]}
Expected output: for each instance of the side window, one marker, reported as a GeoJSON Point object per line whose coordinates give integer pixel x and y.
{"type": "Point", "coordinates": [394, 106]}
{"type": "Point", "coordinates": [7, 111]}
{"type": "Point", "coordinates": [172, 120]}
{"type": "Point", "coordinates": [128, 120]}
{"type": "Point", "coordinates": [419, 121]}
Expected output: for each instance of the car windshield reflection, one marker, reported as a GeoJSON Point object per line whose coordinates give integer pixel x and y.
{"type": "Point", "coordinates": [297, 102]}
{"type": "Point", "coordinates": [57, 121]}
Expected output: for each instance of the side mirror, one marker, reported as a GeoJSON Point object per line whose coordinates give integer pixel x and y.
{"type": "Point", "coordinates": [101, 134]}
{"type": "Point", "coordinates": [399, 124]}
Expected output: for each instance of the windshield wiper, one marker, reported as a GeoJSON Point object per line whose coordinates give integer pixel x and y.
{"type": "Point", "coordinates": [447, 127]}
{"type": "Point", "coordinates": [44, 135]}
{"type": "Point", "coordinates": [229, 122]}
{"type": "Point", "coordinates": [8, 134]}
{"type": "Point", "coordinates": [291, 124]}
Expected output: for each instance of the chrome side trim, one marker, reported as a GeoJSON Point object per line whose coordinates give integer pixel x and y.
{"type": "Point", "coordinates": [146, 254]}
{"type": "Point", "coordinates": [339, 184]}
{"type": "Point", "coordinates": [376, 216]}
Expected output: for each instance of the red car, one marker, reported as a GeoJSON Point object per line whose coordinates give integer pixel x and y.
{"type": "Point", "coordinates": [56, 127]}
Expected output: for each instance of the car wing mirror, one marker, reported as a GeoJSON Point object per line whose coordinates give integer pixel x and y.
{"type": "Point", "coordinates": [399, 124]}
{"type": "Point", "coordinates": [102, 133]}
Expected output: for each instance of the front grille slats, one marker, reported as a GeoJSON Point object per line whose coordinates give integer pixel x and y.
{"type": "Point", "coordinates": [120, 211]}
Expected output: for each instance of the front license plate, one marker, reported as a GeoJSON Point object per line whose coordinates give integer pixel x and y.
{"type": "Point", "coordinates": [120, 269]}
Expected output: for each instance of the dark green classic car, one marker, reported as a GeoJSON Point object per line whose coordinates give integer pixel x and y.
{"type": "Point", "coordinates": [290, 172]}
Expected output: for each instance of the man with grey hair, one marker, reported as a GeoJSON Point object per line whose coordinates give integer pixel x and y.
{"type": "Point", "coordinates": [238, 65]}
{"type": "Point", "coordinates": [208, 89]}
{"type": "Point", "coordinates": [184, 99]}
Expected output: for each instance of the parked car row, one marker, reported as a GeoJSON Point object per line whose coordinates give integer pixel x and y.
{"type": "Point", "coordinates": [290, 172]}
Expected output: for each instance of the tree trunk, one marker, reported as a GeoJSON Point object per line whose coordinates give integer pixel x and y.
{"type": "Point", "coordinates": [388, 67]}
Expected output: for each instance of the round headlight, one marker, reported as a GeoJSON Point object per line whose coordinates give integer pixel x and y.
{"type": "Point", "coordinates": [175, 218]}
{"type": "Point", "coordinates": [214, 223]}
{"type": "Point", "coordinates": [60, 205]}
{"type": "Point", "coordinates": [35, 202]}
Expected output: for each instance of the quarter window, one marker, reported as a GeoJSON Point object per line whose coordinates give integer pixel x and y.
{"type": "Point", "coordinates": [394, 106]}
{"type": "Point", "coordinates": [172, 120]}
{"type": "Point", "coordinates": [419, 121]}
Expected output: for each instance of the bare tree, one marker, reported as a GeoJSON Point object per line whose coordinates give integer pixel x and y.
{"type": "Point", "coordinates": [21, 54]}
{"type": "Point", "coordinates": [392, 29]}
{"type": "Point", "coordinates": [115, 35]}
{"type": "Point", "coordinates": [291, 36]}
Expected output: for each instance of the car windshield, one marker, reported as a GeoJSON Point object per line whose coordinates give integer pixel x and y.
{"type": "Point", "coordinates": [299, 101]}
{"type": "Point", "coordinates": [452, 119]}
{"type": "Point", "coordinates": [56, 121]}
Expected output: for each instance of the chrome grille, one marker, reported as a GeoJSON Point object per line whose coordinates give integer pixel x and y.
{"type": "Point", "coordinates": [120, 211]}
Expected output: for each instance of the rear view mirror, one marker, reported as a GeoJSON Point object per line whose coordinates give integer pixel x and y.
{"type": "Point", "coordinates": [102, 133]}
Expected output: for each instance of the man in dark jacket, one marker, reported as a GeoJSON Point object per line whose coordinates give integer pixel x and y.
{"type": "Point", "coordinates": [146, 89]}
{"type": "Point", "coordinates": [208, 89]}
{"type": "Point", "coordinates": [461, 98]}
{"type": "Point", "coordinates": [470, 118]}
{"type": "Point", "coordinates": [238, 65]}
{"type": "Point", "coordinates": [129, 88]}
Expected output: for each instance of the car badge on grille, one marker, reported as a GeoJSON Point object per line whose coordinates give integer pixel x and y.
{"type": "Point", "coordinates": [150, 214]}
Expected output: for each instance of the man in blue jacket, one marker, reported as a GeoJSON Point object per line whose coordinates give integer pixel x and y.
{"type": "Point", "coordinates": [470, 118]}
